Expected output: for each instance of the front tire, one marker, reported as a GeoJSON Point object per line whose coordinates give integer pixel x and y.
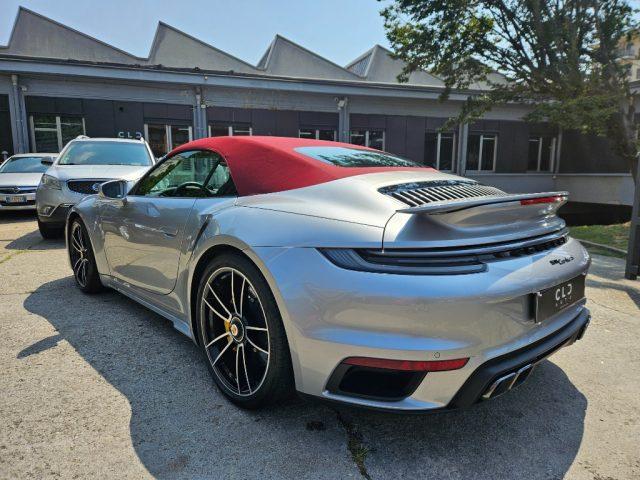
{"type": "Point", "coordinates": [242, 335]}
{"type": "Point", "coordinates": [83, 262]}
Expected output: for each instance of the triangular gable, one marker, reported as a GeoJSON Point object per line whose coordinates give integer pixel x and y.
{"type": "Point", "coordinates": [174, 48]}
{"type": "Point", "coordinates": [286, 58]}
{"type": "Point", "coordinates": [34, 35]}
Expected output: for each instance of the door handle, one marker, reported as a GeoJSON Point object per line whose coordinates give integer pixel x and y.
{"type": "Point", "coordinates": [169, 233]}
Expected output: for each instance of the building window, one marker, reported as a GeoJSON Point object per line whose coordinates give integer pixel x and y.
{"type": "Point", "coordinates": [368, 138]}
{"type": "Point", "coordinates": [318, 134]}
{"type": "Point", "coordinates": [440, 150]}
{"type": "Point", "coordinates": [482, 149]}
{"type": "Point", "coordinates": [164, 138]}
{"type": "Point", "coordinates": [542, 151]}
{"type": "Point", "coordinates": [230, 130]}
{"type": "Point", "coordinates": [50, 133]}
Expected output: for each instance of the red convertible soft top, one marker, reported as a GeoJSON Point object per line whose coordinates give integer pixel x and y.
{"type": "Point", "coordinates": [271, 164]}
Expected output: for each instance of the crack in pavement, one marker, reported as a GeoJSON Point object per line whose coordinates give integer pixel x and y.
{"type": "Point", "coordinates": [591, 300]}
{"type": "Point", "coordinates": [355, 445]}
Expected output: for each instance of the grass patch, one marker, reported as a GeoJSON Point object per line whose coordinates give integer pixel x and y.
{"type": "Point", "coordinates": [616, 236]}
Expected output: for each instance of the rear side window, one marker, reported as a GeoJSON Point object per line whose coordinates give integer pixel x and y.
{"type": "Point", "coordinates": [24, 165]}
{"type": "Point", "coordinates": [353, 157]}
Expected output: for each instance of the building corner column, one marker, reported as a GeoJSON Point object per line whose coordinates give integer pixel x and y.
{"type": "Point", "coordinates": [199, 116]}
{"type": "Point", "coordinates": [632, 269]}
{"type": "Point", "coordinates": [463, 137]}
{"type": "Point", "coordinates": [18, 115]}
{"type": "Point", "coordinates": [343, 119]}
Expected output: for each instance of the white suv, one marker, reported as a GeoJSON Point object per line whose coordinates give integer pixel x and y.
{"type": "Point", "coordinates": [83, 165]}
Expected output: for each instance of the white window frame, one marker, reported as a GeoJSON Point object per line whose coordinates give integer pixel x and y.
{"type": "Point", "coordinates": [495, 151]}
{"type": "Point", "coordinates": [453, 152]}
{"type": "Point", "coordinates": [317, 132]}
{"type": "Point", "coordinates": [57, 129]}
{"type": "Point", "coordinates": [552, 160]}
{"type": "Point", "coordinates": [167, 130]}
{"type": "Point", "coordinates": [230, 130]}
{"type": "Point", "coordinates": [367, 132]}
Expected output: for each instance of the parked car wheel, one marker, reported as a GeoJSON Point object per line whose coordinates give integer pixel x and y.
{"type": "Point", "coordinates": [242, 335]}
{"type": "Point", "coordinates": [85, 271]}
{"type": "Point", "coordinates": [49, 232]}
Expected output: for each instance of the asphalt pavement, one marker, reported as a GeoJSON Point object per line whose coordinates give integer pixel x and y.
{"type": "Point", "coordinates": [100, 387]}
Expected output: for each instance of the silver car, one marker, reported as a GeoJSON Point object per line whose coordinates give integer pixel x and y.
{"type": "Point", "coordinates": [83, 165]}
{"type": "Point", "coordinates": [19, 178]}
{"type": "Point", "coordinates": [338, 271]}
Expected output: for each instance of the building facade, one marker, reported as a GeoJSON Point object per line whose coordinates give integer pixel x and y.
{"type": "Point", "coordinates": [57, 83]}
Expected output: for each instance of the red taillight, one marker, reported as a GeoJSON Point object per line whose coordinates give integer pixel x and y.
{"type": "Point", "coordinates": [408, 365]}
{"type": "Point", "coordinates": [533, 201]}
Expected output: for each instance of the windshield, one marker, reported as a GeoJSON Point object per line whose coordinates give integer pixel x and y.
{"type": "Point", "coordinates": [106, 153]}
{"type": "Point", "coordinates": [353, 157]}
{"type": "Point", "coordinates": [24, 165]}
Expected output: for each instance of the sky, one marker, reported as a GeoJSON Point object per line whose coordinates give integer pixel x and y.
{"type": "Point", "coordinates": [339, 30]}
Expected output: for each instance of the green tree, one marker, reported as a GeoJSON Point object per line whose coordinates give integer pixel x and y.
{"type": "Point", "coordinates": [558, 56]}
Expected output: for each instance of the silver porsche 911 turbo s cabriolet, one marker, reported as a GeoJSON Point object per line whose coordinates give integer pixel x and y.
{"type": "Point", "coordinates": [338, 271]}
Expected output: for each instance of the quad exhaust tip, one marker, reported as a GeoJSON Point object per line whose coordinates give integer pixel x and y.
{"type": "Point", "coordinates": [508, 382]}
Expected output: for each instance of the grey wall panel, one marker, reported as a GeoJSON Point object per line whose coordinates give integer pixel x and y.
{"type": "Point", "coordinates": [105, 90]}
{"type": "Point", "coordinates": [99, 118]}
{"type": "Point", "coordinates": [513, 142]}
{"type": "Point", "coordinates": [434, 123]}
{"type": "Point", "coordinates": [69, 106]}
{"type": "Point", "coordinates": [6, 140]}
{"type": "Point", "coordinates": [396, 134]}
{"type": "Point", "coordinates": [264, 122]}
{"type": "Point", "coordinates": [589, 154]}
{"type": "Point", "coordinates": [180, 112]}
{"type": "Point", "coordinates": [318, 119]}
{"type": "Point", "coordinates": [287, 123]}
{"type": "Point", "coordinates": [128, 117]}
{"type": "Point", "coordinates": [40, 105]}
{"type": "Point", "coordinates": [416, 127]}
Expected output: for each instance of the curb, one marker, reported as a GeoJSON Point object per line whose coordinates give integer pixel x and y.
{"type": "Point", "coordinates": [604, 247]}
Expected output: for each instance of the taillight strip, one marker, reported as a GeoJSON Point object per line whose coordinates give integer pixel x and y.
{"type": "Point", "coordinates": [534, 201]}
{"type": "Point", "coordinates": [408, 365]}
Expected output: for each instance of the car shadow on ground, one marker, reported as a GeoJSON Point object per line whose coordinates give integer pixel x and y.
{"type": "Point", "coordinates": [17, 216]}
{"type": "Point", "coordinates": [32, 240]}
{"type": "Point", "coordinates": [182, 427]}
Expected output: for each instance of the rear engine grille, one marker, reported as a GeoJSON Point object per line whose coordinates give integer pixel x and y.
{"type": "Point", "coordinates": [421, 193]}
{"type": "Point", "coordinates": [86, 187]}
{"type": "Point", "coordinates": [16, 190]}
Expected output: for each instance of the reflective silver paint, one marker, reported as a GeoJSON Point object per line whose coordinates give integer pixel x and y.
{"type": "Point", "coordinates": [98, 173]}
{"type": "Point", "coordinates": [330, 313]}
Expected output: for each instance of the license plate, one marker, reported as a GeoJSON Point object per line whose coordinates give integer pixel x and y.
{"type": "Point", "coordinates": [554, 299]}
{"type": "Point", "coordinates": [16, 199]}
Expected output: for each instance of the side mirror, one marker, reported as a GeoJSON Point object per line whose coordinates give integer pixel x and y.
{"type": "Point", "coordinates": [114, 189]}
{"type": "Point", "coordinates": [48, 161]}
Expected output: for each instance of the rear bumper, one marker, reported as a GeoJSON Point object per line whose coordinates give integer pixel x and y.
{"type": "Point", "coordinates": [496, 376]}
{"type": "Point", "coordinates": [330, 314]}
{"type": "Point", "coordinates": [28, 202]}
{"type": "Point", "coordinates": [507, 371]}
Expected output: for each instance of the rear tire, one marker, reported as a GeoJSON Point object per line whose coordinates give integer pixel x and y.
{"type": "Point", "coordinates": [241, 334]}
{"type": "Point", "coordinates": [85, 271]}
{"type": "Point", "coordinates": [50, 232]}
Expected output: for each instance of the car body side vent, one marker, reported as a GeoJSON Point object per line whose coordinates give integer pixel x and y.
{"type": "Point", "coordinates": [422, 193]}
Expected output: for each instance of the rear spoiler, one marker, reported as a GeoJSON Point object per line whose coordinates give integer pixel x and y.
{"type": "Point", "coordinates": [448, 206]}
